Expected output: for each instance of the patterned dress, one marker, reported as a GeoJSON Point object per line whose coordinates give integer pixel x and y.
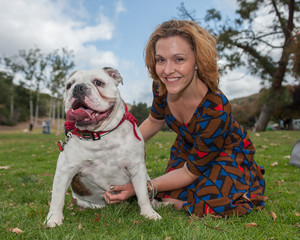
{"type": "Point", "coordinates": [218, 150]}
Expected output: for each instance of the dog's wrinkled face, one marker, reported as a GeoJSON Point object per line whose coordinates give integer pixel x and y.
{"type": "Point", "coordinates": [91, 97]}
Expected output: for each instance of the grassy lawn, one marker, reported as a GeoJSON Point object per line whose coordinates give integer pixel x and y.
{"type": "Point", "coordinates": [27, 166]}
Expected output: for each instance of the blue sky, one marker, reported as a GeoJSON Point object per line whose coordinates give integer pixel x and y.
{"type": "Point", "coordinates": [106, 33]}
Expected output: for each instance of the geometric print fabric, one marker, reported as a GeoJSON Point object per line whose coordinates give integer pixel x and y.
{"type": "Point", "coordinates": [218, 150]}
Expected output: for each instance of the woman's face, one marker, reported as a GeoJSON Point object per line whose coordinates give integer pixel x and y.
{"type": "Point", "coordinates": [175, 63]}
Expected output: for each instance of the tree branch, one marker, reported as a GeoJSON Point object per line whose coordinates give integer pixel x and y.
{"type": "Point", "coordinates": [278, 15]}
{"type": "Point", "coordinates": [290, 25]}
{"type": "Point", "coordinates": [267, 64]}
{"type": "Point", "coordinates": [185, 13]}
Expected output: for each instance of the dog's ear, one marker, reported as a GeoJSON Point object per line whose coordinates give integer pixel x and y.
{"type": "Point", "coordinates": [114, 74]}
{"type": "Point", "coordinates": [72, 73]}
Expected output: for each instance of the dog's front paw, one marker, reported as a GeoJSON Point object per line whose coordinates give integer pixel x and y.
{"type": "Point", "coordinates": [54, 220]}
{"type": "Point", "coordinates": [150, 213]}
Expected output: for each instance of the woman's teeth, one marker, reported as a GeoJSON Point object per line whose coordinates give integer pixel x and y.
{"type": "Point", "coordinates": [172, 79]}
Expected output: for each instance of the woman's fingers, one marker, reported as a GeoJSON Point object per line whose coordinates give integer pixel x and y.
{"type": "Point", "coordinates": [108, 198]}
{"type": "Point", "coordinates": [117, 194]}
{"type": "Point", "coordinates": [117, 188]}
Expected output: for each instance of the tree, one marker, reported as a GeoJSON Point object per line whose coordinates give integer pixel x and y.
{"type": "Point", "coordinates": [6, 106]}
{"type": "Point", "coordinates": [13, 100]}
{"type": "Point", "coordinates": [140, 112]}
{"type": "Point", "coordinates": [291, 108]}
{"type": "Point", "coordinates": [38, 70]}
{"type": "Point", "coordinates": [30, 65]}
{"type": "Point", "coordinates": [264, 48]}
{"type": "Point", "coordinates": [8, 76]}
{"type": "Point", "coordinates": [61, 62]}
{"type": "Point", "coordinates": [40, 77]}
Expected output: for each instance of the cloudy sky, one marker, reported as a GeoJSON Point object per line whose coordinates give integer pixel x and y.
{"type": "Point", "coordinates": [106, 33]}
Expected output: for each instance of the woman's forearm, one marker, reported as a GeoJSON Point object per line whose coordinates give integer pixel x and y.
{"type": "Point", "coordinates": [176, 179]}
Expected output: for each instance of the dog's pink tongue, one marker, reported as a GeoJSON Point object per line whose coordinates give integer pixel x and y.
{"type": "Point", "coordinates": [79, 114]}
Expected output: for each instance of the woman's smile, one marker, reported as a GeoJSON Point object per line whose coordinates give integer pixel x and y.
{"type": "Point", "coordinates": [172, 79]}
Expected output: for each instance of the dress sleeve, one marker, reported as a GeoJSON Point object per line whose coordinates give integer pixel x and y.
{"type": "Point", "coordinates": [209, 139]}
{"type": "Point", "coordinates": [158, 104]}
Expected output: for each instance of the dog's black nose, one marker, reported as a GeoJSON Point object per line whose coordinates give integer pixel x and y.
{"type": "Point", "coordinates": [79, 90]}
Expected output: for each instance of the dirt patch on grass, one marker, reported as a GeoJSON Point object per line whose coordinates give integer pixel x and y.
{"type": "Point", "coordinates": [24, 126]}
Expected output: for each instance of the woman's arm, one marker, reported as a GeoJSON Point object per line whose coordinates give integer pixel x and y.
{"type": "Point", "coordinates": [150, 127]}
{"type": "Point", "coordinates": [176, 179]}
{"type": "Point", "coordinates": [173, 180]}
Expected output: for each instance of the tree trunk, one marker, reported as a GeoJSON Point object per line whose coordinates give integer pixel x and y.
{"type": "Point", "coordinates": [271, 101]}
{"type": "Point", "coordinates": [274, 95]}
{"type": "Point", "coordinates": [278, 76]}
{"type": "Point", "coordinates": [37, 108]}
{"type": "Point", "coordinates": [63, 115]}
{"type": "Point", "coordinates": [50, 108]}
{"type": "Point", "coordinates": [53, 112]}
{"type": "Point", "coordinates": [12, 107]}
{"type": "Point", "coordinates": [264, 117]}
{"type": "Point", "coordinates": [31, 109]}
{"type": "Point", "coordinates": [58, 116]}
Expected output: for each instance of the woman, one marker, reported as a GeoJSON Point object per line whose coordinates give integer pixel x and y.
{"type": "Point", "coordinates": [211, 168]}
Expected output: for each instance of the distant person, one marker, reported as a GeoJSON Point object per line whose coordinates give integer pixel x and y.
{"type": "Point", "coordinates": [48, 126]}
{"type": "Point", "coordinates": [44, 127]}
{"type": "Point", "coordinates": [211, 168]}
{"type": "Point", "coordinates": [287, 122]}
{"type": "Point", "coordinates": [30, 126]}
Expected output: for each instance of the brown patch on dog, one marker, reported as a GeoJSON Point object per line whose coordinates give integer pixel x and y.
{"type": "Point", "coordinates": [78, 187]}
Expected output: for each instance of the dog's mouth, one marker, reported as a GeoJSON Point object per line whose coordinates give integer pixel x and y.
{"type": "Point", "coordinates": [82, 114]}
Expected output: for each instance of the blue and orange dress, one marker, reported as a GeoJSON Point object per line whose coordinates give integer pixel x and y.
{"type": "Point", "coordinates": [218, 150]}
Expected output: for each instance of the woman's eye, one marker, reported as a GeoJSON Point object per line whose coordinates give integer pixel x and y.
{"type": "Point", "coordinates": [68, 86]}
{"type": "Point", "coordinates": [98, 83]}
{"type": "Point", "coordinates": [159, 60]}
{"type": "Point", "coordinates": [179, 59]}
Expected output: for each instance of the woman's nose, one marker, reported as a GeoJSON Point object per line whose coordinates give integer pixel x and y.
{"type": "Point", "coordinates": [169, 68]}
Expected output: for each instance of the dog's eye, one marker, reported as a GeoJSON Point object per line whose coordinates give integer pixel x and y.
{"type": "Point", "coordinates": [68, 86]}
{"type": "Point", "coordinates": [98, 83]}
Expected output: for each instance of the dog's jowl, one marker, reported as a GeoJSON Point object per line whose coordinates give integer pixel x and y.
{"type": "Point", "coordinates": [103, 145]}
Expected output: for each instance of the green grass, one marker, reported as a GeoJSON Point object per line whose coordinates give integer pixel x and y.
{"type": "Point", "coordinates": [26, 191]}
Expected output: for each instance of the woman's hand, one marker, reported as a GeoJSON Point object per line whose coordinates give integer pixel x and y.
{"type": "Point", "coordinates": [118, 194]}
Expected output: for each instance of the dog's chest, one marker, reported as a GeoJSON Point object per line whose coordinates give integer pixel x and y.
{"type": "Point", "coordinates": [97, 152]}
{"type": "Point", "coordinates": [109, 157]}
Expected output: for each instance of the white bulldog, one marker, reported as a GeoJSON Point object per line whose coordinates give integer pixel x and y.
{"type": "Point", "coordinates": [103, 146]}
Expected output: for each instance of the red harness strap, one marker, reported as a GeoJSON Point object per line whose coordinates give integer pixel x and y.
{"type": "Point", "coordinates": [70, 126]}
{"type": "Point", "coordinates": [128, 116]}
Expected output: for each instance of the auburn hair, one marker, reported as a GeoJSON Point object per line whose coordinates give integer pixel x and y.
{"type": "Point", "coordinates": [202, 42]}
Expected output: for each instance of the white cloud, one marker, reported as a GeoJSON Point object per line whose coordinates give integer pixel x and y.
{"type": "Point", "coordinates": [237, 84]}
{"type": "Point", "coordinates": [102, 31]}
{"type": "Point", "coordinates": [46, 24]}
{"type": "Point", "coordinates": [90, 57]}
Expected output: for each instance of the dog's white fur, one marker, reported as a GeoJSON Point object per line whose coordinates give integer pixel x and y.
{"type": "Point", "coordinates": [116, 159]}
